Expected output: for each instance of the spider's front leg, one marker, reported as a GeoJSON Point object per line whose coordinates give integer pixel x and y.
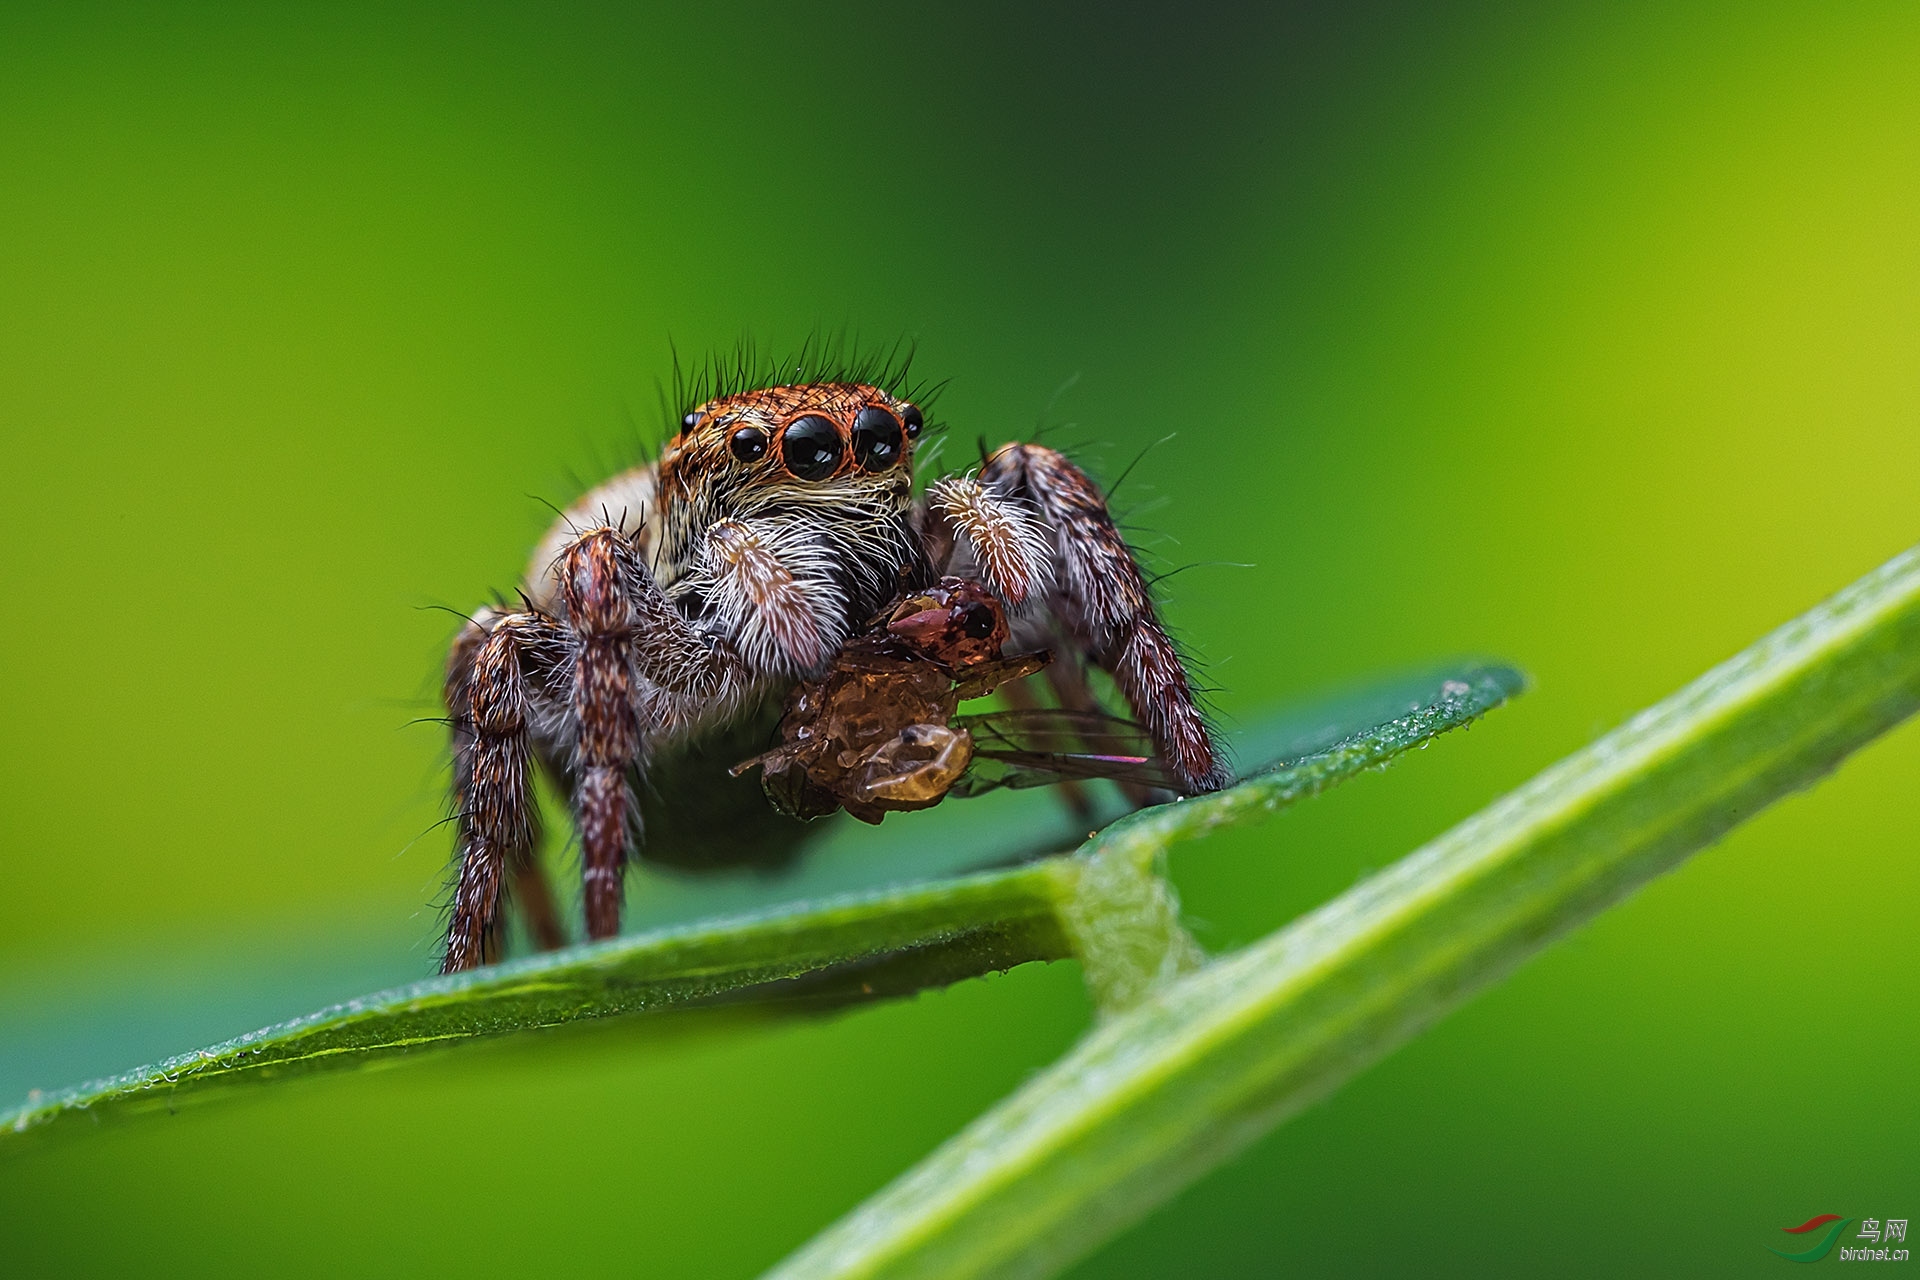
{"type": "Point", "coordinates": [599, 589]}
{"type": "Point", "coordinates": [1039, 527]}
{"type": "Point", "coordinates": [642, 672]}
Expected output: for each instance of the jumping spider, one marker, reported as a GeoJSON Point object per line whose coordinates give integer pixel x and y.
{"type": "Point", "coordinates": [694, 592]}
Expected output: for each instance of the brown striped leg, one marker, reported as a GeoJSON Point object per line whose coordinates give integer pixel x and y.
{"type": "Point", "coordinates": [490, 691]}
{"type": "Point", "coordinates": [625, 628]}
{"type": "Point", "coordinates": [1101, 598]}
{"type": "Point", "coordinates": [605, 720]}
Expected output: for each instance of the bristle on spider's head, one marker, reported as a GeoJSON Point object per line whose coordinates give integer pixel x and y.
{"type": "Point", "coordinates": [824, 357]}
{"type": "Point", "coordinates": [830, 424]}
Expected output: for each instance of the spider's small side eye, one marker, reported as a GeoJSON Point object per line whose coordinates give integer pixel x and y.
{"type": "Point", "coordinates": [811, 446]}
{"type": "Point", "coordinates": [910, 416]}
{"type": "Point", "coordinates": [749, 444]}
{"type": "Point", "coordinates": [689, 422]}
{"type": "Point", "coordinates": [876, 439]}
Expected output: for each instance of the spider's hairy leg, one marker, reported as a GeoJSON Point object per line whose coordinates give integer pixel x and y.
{"type": "Point", "coordinates": [1102, 600]}
{"type": "Point", "coordinates": [529, 891]}
{"type": "Point", "coordinates": [632, 651]}
{"type": "Point", "coordinates": [493, 682]}
{"type": "Point", "coordinates": [606, 571]}
{"type": "Point", "coordinates": [1005, 534]}
{"type": "Point", "coordinates": [594, 581]}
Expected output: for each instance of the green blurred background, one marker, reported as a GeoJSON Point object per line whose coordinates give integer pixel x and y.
{"type": "Point", "coordinates": [1589, 338]}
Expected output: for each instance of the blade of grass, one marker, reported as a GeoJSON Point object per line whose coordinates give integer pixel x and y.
{"type": "Point", "coordinates": [1116, 915]}
{"type": "Point", "coordinates": [1155, 1097]}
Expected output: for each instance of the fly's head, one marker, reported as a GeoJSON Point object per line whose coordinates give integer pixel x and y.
{"type": "Point", "coordinates": [956, 623]}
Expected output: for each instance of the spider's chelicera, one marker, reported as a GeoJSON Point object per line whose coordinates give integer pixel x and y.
{"type": "Point", "coordinates": [687, 594]}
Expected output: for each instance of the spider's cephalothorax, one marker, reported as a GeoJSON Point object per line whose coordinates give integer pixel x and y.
{"type": "Point", "coordinates": [680, 595]}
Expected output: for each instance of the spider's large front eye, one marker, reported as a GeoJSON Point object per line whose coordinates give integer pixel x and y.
{"type": "Point", "coordinates": [749, 444]}
{"type": "Point", "coordinates": [811, 446]}
{"type": "Point", "coordinates": [911, 416]}
{"type": "Point", "coordinates": [876, 439]}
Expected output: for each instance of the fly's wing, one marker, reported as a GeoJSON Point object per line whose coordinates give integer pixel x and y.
{"type": "Point", "coordinates": [1035, 747]}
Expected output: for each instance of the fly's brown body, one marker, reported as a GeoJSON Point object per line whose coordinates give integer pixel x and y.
{"type": "Point", "coordinates": [875, 734]}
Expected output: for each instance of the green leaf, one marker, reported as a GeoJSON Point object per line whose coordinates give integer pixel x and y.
{"type": "Point", "coordinates": [1156, 1096]}
{"type": "Point", "coordinates": [1113, 913]}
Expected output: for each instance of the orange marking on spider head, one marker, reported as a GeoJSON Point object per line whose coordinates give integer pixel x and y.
{"type": "Point", "coordinates": [799, 434]}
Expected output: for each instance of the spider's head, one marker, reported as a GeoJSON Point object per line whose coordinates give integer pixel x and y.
{"type": "Point", "coordinates": [818, 477]}
{"type": "Point", "coordinates": [816, 445]}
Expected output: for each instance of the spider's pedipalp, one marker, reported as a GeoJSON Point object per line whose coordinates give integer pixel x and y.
{"type": "Point", "coordinates": [781, 621]}
{"type": "Point", "coordinates": [1005, 534]}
